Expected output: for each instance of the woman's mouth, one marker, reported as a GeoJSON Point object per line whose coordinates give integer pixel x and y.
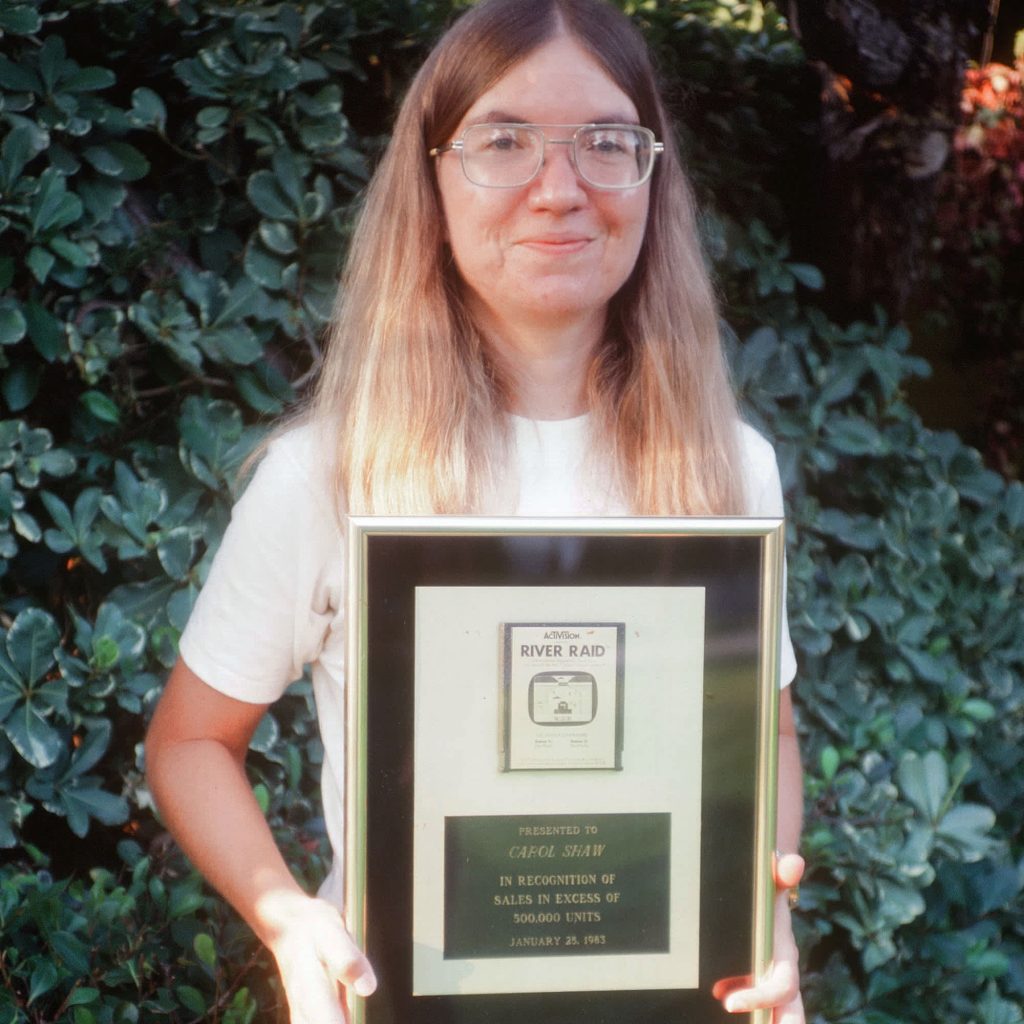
{"type": "Point", "coordinates": [556, 244]}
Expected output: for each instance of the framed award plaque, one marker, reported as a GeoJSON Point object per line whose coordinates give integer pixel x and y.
{"type": "Point", "coordinates": [561, 749]}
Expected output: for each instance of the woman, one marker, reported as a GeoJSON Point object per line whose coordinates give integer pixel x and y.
{"type": "Point", "coordinates": [525, 325]}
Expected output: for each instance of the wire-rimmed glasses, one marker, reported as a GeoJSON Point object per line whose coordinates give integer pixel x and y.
{"type": "Point", "coordinates": [607, 156]}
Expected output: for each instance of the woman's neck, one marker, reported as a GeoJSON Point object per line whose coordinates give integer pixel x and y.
{"type": "Point", "coordinates": [547, 365]}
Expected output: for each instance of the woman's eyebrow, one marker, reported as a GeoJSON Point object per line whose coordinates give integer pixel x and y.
{"type": "Point", "coordinates": [506, 117]}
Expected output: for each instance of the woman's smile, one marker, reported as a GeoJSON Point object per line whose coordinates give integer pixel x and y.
{"type": "Point", "coordinates": [556, 244]}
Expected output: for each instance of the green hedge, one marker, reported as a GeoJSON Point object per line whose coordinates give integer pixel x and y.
{"type": "Point", "coordinates": [176, 188]}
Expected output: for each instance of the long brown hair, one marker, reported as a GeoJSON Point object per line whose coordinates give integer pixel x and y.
{"type": "Point", "coordinates": [411, 403]}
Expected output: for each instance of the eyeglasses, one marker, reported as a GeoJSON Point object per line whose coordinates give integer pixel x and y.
{"type": "Point", "coordinates": [607, 156]}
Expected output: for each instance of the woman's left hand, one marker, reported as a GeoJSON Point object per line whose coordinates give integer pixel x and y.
{"type": "Point", "coordinates": [779, 989]}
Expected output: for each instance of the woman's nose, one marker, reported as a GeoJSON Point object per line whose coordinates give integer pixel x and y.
{"type": "Point", "coordinates": [557, 185]}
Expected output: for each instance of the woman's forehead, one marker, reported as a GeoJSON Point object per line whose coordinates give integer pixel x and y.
{"type": "Point", "coordinates": [558, 83]}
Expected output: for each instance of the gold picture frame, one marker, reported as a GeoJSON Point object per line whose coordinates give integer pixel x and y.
{"type": "Point", "coordinates": [625, 863]}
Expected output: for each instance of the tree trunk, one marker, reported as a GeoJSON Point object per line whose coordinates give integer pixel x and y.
{"type": "Point", "coordinates": [891, 73]}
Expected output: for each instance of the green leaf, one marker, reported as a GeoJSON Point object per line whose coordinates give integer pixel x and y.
{"type": "Point", "coordinates": [1015, 505]}
{"type": "Point", "coordinates": [192, 999]}
{"type": "Point", "coordinates": [312, 208]}
{"type": "Point", "coordinates": [53, 62]}
{"type": "Point", "coordinates": [925, 782]}
{"type": "Point", "coordinates": [262, 268]}
{"type": "Point", "coordinates": [968, 827]}
{"type": "Point", "coordinates": [808, 275]}
{"type": "Point", "coordinates": [26, 526]}
{"type": "Point", "coordinates": [278, 237]}
{"type": "Point", "coordinates": [101, 197]}
{"type": "Point", "coordinates": [289, 176]}
{"type": "Point", "coordinates": [11, 813]}
{"type": "Point", "coordinates": [855, 436]}
{"type": "Point", "coordinates": [44, 979]}
{"type": "Point", "coordinates": [85, 802]}
{"type": "Point", "coordinates": [18, 78]}
{"type": "Point", "coordinates": [993, 1009]}
{"type": "Point", "coordinates": [212, 117]}
{"type": "Point", "coordinates": [31, 641]}
{"type": "Point", "coordinates": [13, 326]}
{"type": "Point", "coordinates": [326, 133]}
{"type": "Point", "coordinates": [118, 160]}
{"type": "Point", "coordinates": [20, 385]}
{"type": "Point", "coordinates": [33, 737]}
{"type": "Point", "coordinates": [94, 746]}
{"type": "Point", "coordinates": [256, 395]}
{"type": "Point", "coordinates": [91, 79]}
{"type": "Point", "coordinates": [927, 666]}
{"type": "Point", "coordinates": [45, 330]}
{"type": "Point", "coordinates": [264, 193]}
{"type": "Point", "coordinates": [53, 207]}
{"type": "Point", "coordinates": [105, 654]}
{"type": "Point", "coordinates": [186, 898]}
{"type": "Point", "coordinates": [205, 949]}
{"type": "Point", "coordinates": [83, 994]}
{"type": "Point", "coordinates": [74, 253]}
{"type": "Point", "coordinates": [899, 904]}
{"type": "Point", "coordinates": [148, 108]}
{"type": "Point", "coordinates": [21, 144]}
{"type": "Point", "coordinates": [237, 344]}
{"type": "Point", "coordinates": [262, 795]}
{"type": "Point", "coordinates": [40, 261]}
{"type": "Point", "coordinates": [829, 763]}
{"type": "Point", "coordinates": [59, 512]}
{"type": "Point", "coordinates": [175, 552]}
{"type": "Point", "coordinates": [100, 406]}
{"type": "Point", "coordinates": [73, 955]}
{"type": "Point", "coordinates": [20, 19]}
{"type": "Point", "coordinates": [979, 710]}
{"type": "Point", "coordinates": [859, 531]}
{"type": "Point", "coordinates": [882, 609]}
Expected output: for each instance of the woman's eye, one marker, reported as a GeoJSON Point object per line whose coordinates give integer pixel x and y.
{"type": "Point", "coordinates": [505, 142]}
{"type": "Point", "coordinates": [607, 145]}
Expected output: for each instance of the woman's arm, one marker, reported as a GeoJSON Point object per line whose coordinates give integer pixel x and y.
{"type": "Point", "coordinates": [780, 987]}
{"type": "Point", "coordinates": [195, 764]}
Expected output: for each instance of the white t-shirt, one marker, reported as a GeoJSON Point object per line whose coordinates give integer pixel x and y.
{"type": "Point", "coordinates": [275, 597]}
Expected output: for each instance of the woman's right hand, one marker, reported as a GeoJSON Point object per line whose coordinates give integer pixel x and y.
{"type": "Point", "coordinates": [315, 955]}
{"type": "Point", "coordinates": [195, 763]}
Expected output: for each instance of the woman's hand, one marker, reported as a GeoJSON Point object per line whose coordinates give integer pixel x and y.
{"type": "Point", "coordinates": [315, 955]}
{"type": "Point", "coordinates": [195, 757]}
{"type": "Point", "coordinates": [779, 989]}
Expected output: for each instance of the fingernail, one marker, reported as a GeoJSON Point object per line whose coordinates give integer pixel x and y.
{"type": "Point", "coordinates": [736, 1004]}
{"type": "Point", "coordinates": [365, 985]}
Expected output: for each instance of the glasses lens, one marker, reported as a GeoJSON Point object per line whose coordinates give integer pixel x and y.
{"type": "Point", "coordinates": [614, 156]}
{"type": "Point", "coordinates": [501, 155]}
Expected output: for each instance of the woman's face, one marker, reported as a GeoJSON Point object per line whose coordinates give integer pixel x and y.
{"type": "Point", "coordinates": [554, 250]}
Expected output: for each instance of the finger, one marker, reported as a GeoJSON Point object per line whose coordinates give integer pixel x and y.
{"type": "Point", "coordinates": [778, 987]}
{"type": "Point", "coordinates": [791, 1013]}
{"type": "Point", "coordinates": [345, 963]}
{"type": "Point", "coordinates": [789, 869]}
{"type": "Point", "coordinates": [312, 995]}
{"type": "Point", "coordinates": [343, 960]}
{"type": "Point", "coordinates": [724, 986]}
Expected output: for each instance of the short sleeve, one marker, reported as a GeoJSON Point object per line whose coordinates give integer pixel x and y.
{"type": "Point", "coordinates": [764, 498]}
{"type": "Point", "coordinates": [276, 582]}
